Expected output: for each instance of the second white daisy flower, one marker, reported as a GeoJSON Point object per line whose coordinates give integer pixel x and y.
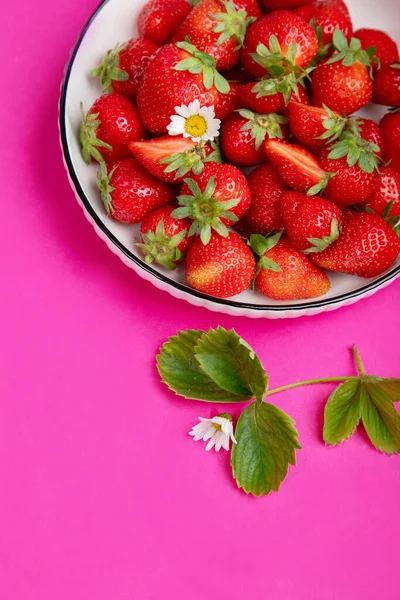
{"type": "Point", "coordinates": [195, 122]}
{"type": "Point", "coordinates": [218, 431]}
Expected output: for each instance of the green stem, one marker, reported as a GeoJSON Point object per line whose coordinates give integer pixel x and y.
{"type": "Point", "coordinates": [308, 382]}
{"type": "Point", "coordinates": [359, 364]}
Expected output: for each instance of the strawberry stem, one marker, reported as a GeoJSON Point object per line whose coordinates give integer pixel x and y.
{"type": "Point", "coordinates": [357, 358]}
{"type": "Point", "coordinates": [309, 382]}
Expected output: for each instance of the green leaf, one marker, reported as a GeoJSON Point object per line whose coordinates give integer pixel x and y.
{"type": "Point", "coordinates": [231, 364]}
{"type": "Point", "coordinates": [342, 413]}
{"type": "Point", "coordinates": [391, 387]}
{"type": "Point", "coordinates": [379, 416]}
{"type": "Point", "coordinates": [266, 444]}
{"type": "Point", "coordinates": [182, 373]}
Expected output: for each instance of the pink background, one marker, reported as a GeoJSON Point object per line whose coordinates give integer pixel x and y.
{"type": "Point", "coordinates": [103, 495]}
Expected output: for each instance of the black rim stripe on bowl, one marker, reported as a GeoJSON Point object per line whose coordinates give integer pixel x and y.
{"type": "Point", "coordinates": [284, 307]}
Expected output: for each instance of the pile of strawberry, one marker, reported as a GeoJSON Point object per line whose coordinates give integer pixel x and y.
{"type": "Point", "coordinates": [213, 88]}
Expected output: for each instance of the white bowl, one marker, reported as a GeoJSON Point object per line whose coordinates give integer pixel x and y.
{"type": "Point", "coordinates": [113, 21]}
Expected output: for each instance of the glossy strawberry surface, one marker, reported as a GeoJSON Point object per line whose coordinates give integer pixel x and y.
{"type": "Point", "coordinates": [223, 268]}
{"type": "Point", "coordinates": [159, 19]}
{"type": "Point", "coordinates": [367, 247]}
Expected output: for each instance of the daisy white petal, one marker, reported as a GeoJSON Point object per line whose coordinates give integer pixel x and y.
{"type": "Point", "coordinates": [183, 111]}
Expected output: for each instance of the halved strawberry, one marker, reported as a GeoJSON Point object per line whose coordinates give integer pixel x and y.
{"type": "Point", "coordinates": [284, 273]}
{"type": "Point", "coordinates": [170, 158]}
{"type": "Point", "coordinates": [296, 166]}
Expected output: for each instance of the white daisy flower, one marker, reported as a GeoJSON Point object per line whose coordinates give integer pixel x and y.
{"type": "Point", "coordinates": [218, 431]}
{"type": "Point", "coordinates": [195, 122]}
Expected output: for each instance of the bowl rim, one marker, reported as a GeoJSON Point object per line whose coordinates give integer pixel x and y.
{"type": "Point", "coordinates": [304, 306]}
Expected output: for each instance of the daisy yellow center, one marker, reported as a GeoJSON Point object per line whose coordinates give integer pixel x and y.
{"type": "Point", "coordinates": [217, 426]}
{"type": "Point", "coordinates": [196, 125]}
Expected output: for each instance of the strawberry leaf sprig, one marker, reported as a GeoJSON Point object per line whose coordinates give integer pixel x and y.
{"type": "Point", "coordinates": [184, 162]}
{"type": "Point", "coordinates": [220, 367]}
{"type": "Point", "coordinates": [200, 62]}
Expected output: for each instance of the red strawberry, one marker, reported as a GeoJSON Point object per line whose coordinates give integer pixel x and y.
{"type": "Point", "coordinates": [386, 48]}
{"type": "Point", "coordinates": [296, 166]}
{"type": "Point", "coordinates": [170, 158]}
{"type": "Point", "coordinates": [387, 85]}
{"type": "Point", "coordinates": [367, 247]}
{"type": "Point", "coordinates": [123, 66]}
{"type": "Point", "coordinates": [111, 123]}
{"type": "Point", "coordinates": [167, 83]}
{"type": "Point", "coordinates": [390, 127]}
{"type": "Point", "coordinates": [264, 214]}
{"type": "Point", "coordinates": [243, 135]}
{"type": "Point", "coordinates": [250, 97]}
{"type": "Point", "coordinates": [223, 268]}
{"type": "Point", "coordinates": [310, 123]}
{"type": "Point", "coordinates": [291, 41]}
{"type": "Point", "coordinates": [350, 184]}
{"type": "Point", "coordinates": [164, 239]}
{"type": "Point", "coordinates": [285, 273]}
{"type": "Point", "coordinates": [343, 81]}
{"type": "Point", "coordinates": [329, 15]}
{"type": "Point", "coordinates": [277, 4]}
{"type": "Point", "coordinates": [129, 192]}
{"type": "Point", "coordinates": [214, 199]}
{"type": "Point", "coordinates": [218, 27]}
{"type": "Point", "coordinates": [159, 19]}
{"type": "Point", "coordinates": [387, 192]}
{"type": "Point", "coordinates": [311, 223]}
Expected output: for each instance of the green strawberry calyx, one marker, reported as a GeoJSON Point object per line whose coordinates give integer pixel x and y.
{"type": "Point", "coordinates": [348, 53]}
{"type": "Point", "coordinates": [321, 185]}
{"type": "Point", "coordinates": [193, 160]}
{"type": "Point", "coordinates": [200, 62]}
{"type": "Point", "coordinates": [283, 75]}
{"type": "Point", "coordinates": [103, 183]}
{"type": "Point", "coordinates": [260, 246]}
{"type": "Point", "coordinates": [232, 23]}
{"type": "Point", "coordinates": [322, 49]}
{"type": "Point", "coordinates": [320, 244]}
{"type": "Point", "coordinates": [162, 248]}
{"type": "Point", "coordinates": [109, 70]}
{"type": "Point", "coordinates": [262, 125]}
{"type": "Point", "coordinates": [357, 150]}
{"type": "Point", "coordinates": [205, 210]}
{"type": "Point", "coordinates": [87, 135]}
{"type": "Point", "coordinates": [334, 125]}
